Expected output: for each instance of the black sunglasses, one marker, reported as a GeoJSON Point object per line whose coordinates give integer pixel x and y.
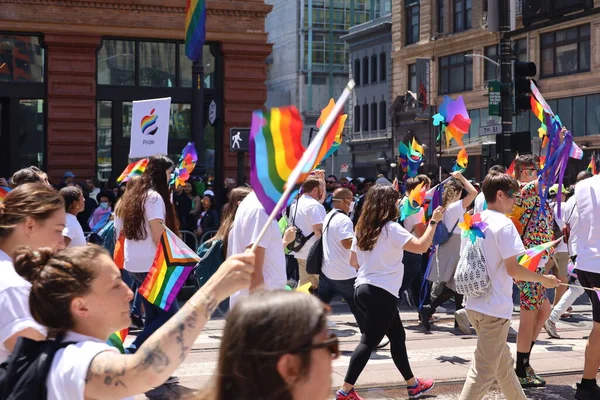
{"type": "Point", "coordinates": [331, 343]}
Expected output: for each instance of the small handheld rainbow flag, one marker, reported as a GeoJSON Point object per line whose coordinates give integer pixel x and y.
{"type": "Point", "coordinates": [195, 28]}
{"type": "Point", "coordinates": [117, 339]}
{"type": "Point", "coordinates": [533, 256]}
{"type": "Point", "coordinates": [173, 263]}
{"type": "Point", "coordinates": [136, 168]}
{"type": "Point", "coordinates": [592, 167]}
{"type": "Point", "coordinates": [3, 192]}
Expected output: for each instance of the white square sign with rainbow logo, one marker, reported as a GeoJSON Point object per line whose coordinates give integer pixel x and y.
{"type": "Point", "coordinates": [150, 127]}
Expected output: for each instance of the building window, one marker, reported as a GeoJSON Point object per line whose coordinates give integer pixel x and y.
{"type": "Point", "coordinates": [157, 64]}
{"type": "Point", "coordinates": [462, 15]}
{"type": "Point", "coordinates": [356, 118]}
{"type": "Point", "coordinates": [412, 78]}
{"type": "Point", "coordinates": [356, 72]}
{"type": "Point", "coordinates": [31, 133]}
{"type": "Point", "coordinates": [21, 59]}
{"type": "Point", "coordinates": [365, 118]}
{"type": "Point", "coordinates": [382, 115]}
{"type": "Point", "coordinates": [374, 117]}
{"type": "Point", "coordinates": [180, 125]}
{"type": "Point", "coordinates": [521, 49]}
{"type": "Point", "coordinates": [326, 54]}
{"type": "Point", "coordinates": [412, 21]}
{"type": "Point", "coordinates": [490, 71]}
{"type": "Point", "coordinates": [440, 16]}
{"type": "Point", "coordinates": [365, 71]}
{"type": "Point", "coordinates": [116, 63]}
{"type": "Point", "coordinates": [593, 114]}
{"type": "Point", "coordinates": [382, 67]}
{"type": "Point", "coordinates": [104, 140]}
{"type": "Point", "coordinates": [456, 73]}
{"type": "Point", "coordinates": [374, 68]}
{"type": "Point", "coordinates": [185, 68]}
{"type": "Point", "coordinates": [566, 51]}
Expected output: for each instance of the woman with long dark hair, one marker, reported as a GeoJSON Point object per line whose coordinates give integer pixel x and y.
{"type": "Point", "coordinates": [377, 252]}
{"type": "Point", "coordinates": [275, 346]}
{"type": "Point", "coordinates": [145, 210]}
{"type": "Point", "coordinates": [235, 198]}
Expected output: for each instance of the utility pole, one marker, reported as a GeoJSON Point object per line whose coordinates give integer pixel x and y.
{"type": "Point", "coordinates": [504, 146]}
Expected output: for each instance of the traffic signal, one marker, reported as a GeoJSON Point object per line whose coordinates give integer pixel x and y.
{"type": "Point", "coordinates": [522, 73]}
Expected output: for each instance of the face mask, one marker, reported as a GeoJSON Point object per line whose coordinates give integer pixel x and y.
{"type": "Point", "coordinates": [104, 205]}
{"type": "Point", "coordinates": [351, 207]}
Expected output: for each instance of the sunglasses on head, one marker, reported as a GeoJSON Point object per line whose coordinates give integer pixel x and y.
{"type": "Point", "coordinates": [511, 193]}
{"type": "Point", "coordinates": [331, 343]}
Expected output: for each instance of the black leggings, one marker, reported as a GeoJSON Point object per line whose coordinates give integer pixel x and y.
{"type": "Point", "coordinates": [382, 319]}
{"type": "Point", "coordinates": [446, 295]}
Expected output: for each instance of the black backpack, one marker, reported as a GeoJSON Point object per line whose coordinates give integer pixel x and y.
{"type": "Point", "coordinates": [314, 262]}
{"type": "Point", "coordinates": [23, 375]}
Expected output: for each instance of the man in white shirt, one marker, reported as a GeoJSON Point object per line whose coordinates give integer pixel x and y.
{"type": "Point", "coordinates": [308, 214]}
{"type": "Point", "coordinates": [587, 199]}
{"type": "Point", "coordinates": [480, 204]}
{"type": "Point", "coordinates": [269, 271]}
{"type": "Point", "coordinates": [490, 314]}
{"type": "Point", "coordinates": [337, 275]}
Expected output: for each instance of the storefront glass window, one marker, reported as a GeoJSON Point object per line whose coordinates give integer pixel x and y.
{"type": "Point", "coordinates": [578, 116]}
{"type": "Point", "coordinates": [185, 68]}
{"type": "Point", "coordinates": [209, 148]}
{"type": "Point", "coordinates": [31, 133]}
{"type": "Point", "coordinates": [21, 59]}
{"type": "Point", "coordinates": [104, 140]}
{"type": "Point", "coordinates": [116, 63]}
{"type": "Point", "coordinates": [157, 64]}
{"type": "Point", "coordinates": [180, 126]}
{"type": "Point", "coordinates": [593, 114]}
{"type": "Point", "coordinates": [127, 110]}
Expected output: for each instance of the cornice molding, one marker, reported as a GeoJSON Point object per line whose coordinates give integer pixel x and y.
{"type": "Point", "coordinates": [260, 12]}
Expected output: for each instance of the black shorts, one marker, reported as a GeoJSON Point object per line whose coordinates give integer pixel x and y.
{"type": "Point", "coordinates": [591, 279]}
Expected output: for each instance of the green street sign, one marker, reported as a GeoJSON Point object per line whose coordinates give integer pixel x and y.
{"type": "Point", "coordinates": [494, 97]}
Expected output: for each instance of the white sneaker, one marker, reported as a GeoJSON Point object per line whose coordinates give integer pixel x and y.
{"type": "Point", "coordinates": [384, 342]}
{"type": "Point", "coordinates": [551, 329]}
{"type": "Point", "coordinates": [331, 324]}
{"type": "Point", "coordinates": [172, 380]}
{"type": "Point", "coordinates": [462, 319]}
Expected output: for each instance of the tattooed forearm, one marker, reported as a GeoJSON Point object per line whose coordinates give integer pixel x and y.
{"type": "Point", "coordinates": [178, 332]}
{"type": "Point", "coordinates": [210, 302]}
{"type": "Point", "coordinates": [153, 357]}
{"type": "Point", "coordinates": [108, 372]}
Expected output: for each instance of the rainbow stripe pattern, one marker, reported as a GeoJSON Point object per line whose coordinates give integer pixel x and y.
{"type": "Point", "coordinates": [148, 123]}
{"type": "Point", "coordinates": [532, 257]}
{"type": "Point", "coordinates": [195, 28]}
{"type": "Point", "coordinates": [118, 338]}
{"type": "Point", "coordinates": [592, 167]}
{"type": "Point", "coordinates": [3, 193]}
{"type": "Point", "coordinates": [173, 262]}
{"type": "Point", "coordinates": [136, 168]}
{"type": "Point", "coordinates": [336, 129]}
{"type": "Point", "coordinates": [275, 149]}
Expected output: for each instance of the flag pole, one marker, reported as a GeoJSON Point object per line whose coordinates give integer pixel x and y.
{"type": "Point", "coordinates": [309, 155]}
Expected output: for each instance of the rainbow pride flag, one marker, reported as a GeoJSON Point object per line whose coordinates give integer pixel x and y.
{"type": "Point", "coordinates": [3, 192]}
{"type": "Point", "coordinates": [136, 168]}
{"type": "Point", "coordinates": [118, 338]}
{"type": "Point", "coordinates": [533, 256]}
{"type": "Point", "coordinates": [195, 28]}
{"type": "Point", "coordinates": [592, 167]}
{"type": "Point", "coordinates": [275, 149]}
{"type": "Point", "coordinates": [337, 128]}
{"type": "Point", "coordinates": [173, 262]}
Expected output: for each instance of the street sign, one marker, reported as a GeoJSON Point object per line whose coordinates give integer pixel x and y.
{"type": "Point", "coordinates": [239, 139]}
{"type": "Point", "coordinates": [495, 97]}
{"type": "Point", "coordinates": [490, 130]}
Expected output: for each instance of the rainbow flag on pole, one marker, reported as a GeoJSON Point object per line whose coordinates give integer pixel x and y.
{"type": "Point", "coordinates": [195, 28]}
{"type": "Point", "coordinates": [136, 168]}
{"type": "Point", "coordinates": [533, 256]}
{"type": "Point", "coordinates": [592, 167]}
{"type": "Point", "coordinates": [117, 339]}
{"type": "Point", "coordinates": [173, 262]}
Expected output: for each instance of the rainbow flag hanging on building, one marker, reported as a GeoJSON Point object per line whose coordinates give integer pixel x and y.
{"type": "Point", "coordinates": [117, 339]}
{"type": "Point", "coordinates": [3, 193]}
{"type": "Point", "coordinates": [136, 168]}
{"type": "Point", "coordinates": [173, 263]}
{"type": "Point", "coordinates": [195, 28]}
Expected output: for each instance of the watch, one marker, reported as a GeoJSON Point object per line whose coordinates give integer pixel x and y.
{"type": "Point", "coordinates": [432, 222]}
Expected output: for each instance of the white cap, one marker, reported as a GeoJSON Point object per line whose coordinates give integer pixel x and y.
{"type": "Point", "coordinates": [209, 193]}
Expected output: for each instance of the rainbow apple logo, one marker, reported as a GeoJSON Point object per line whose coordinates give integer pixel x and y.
{"type": "Point", "coordinates": [148, 124]}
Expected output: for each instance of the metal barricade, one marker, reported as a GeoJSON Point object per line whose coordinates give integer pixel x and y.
{"type": "Point", "coordinates": [189, 238]}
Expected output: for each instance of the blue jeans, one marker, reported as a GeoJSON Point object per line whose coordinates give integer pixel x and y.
{"type": "Point", "coordinates": [345, 288]}
{"type": "Point", "coordinates": [136, 306]}
{"type": "Point", "coordinates": [155, 316]}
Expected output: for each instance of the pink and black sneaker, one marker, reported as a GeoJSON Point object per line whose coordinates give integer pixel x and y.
{"type": "Point", "coordinates": [352, 395]}
{"type": "Point", "coordinates": [423, 386]}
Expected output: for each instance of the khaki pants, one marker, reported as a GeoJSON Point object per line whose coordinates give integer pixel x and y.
{"type": "Point", "coordinates": [306, 277]}
{"type": "Point", "coordinates": [492, 360]}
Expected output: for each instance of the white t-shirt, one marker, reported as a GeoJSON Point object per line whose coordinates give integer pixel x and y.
{"type": "Point", "coordinates": [139, 254]}
{"type": "Point", "coordinates": [501, 242]}
{"type": "Point", "coordinates": [382, 266]}
{"type": "Point", "coordinates": [480, 203]}
{"type": "Point", "coordinates": [336, 259]}
{"type": "Point", "coordinates": [310, 212]}
{"type": "Point", "coordinates": [66, 379]}
{"type": "Point", "coordinates": [249, 221]}
{"type": "Point", "coordinates": [412, 220]}
{"type": "Point", "coordinates": [571, 216]}
{"type": "Point", "coordinates": [74, 231]}
{"type": "Point", "coordinates": [454, 212]}
{"type": "Point", "coordinates": [587, 196]}
{"type": "Point", "coordinates": [14, 305]}
{"type": "Point", "coordinates": [562, 246]}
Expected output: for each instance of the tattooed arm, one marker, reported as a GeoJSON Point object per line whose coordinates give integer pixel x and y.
{"type": "Point", "coordinates": [112, 375]}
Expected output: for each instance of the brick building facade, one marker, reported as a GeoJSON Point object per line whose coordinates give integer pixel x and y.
{"type": "Point", "coordinates": [453, 36]}
{"type": "Point", "coordinates": [70, 69]}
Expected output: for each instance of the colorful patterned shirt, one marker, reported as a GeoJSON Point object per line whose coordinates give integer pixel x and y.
{"type": "Point", "coordinates": [537, 227]}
